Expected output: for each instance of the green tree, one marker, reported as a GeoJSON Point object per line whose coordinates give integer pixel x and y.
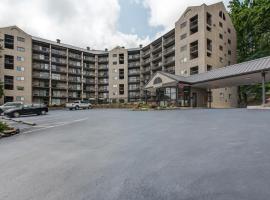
{"type": "Point", "coordinates": [251, 19]}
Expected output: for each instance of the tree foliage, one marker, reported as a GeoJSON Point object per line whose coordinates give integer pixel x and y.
{"type": "Point", "coordinates": [251, 19]}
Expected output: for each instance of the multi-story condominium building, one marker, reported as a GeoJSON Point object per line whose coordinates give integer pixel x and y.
{"type": "Point", "coordinates": [43, 71]}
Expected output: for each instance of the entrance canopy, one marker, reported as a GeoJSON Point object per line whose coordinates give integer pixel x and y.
{"type": "Point", "coordinates": [246, 73]}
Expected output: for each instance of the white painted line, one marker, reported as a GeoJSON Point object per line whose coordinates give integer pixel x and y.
{"type": "Point", "coordinates": [57, 125]}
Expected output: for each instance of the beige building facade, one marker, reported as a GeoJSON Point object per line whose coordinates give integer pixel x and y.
{"type": "Point", "coordinates": [16, 64]}
{"type": "Point", "coordinates": [55, 73]}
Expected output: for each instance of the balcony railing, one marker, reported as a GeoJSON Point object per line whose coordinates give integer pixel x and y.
{"type": "Point", "coordinates": [59, 52]}
{"type": "Point", "coordinates": [75, 56]}
{"type": "Point", "coordinates": [169, 40]}
{"type": "Point", "coordinates": [40, 48]}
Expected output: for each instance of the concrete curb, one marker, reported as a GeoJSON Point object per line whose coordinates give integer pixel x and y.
{"type": "Point", "coordinates": [20, 121]}
{"type": "Point", "coordinates": [8, 133]}
{"type": "Point", "coordinates": [258, 108]}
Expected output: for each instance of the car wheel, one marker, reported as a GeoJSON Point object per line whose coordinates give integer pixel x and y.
{"type": "Point", "coordinates": [16, 114]}
{"type": "Point", "coordinates": [77, 108]}
{"type": "Point", "coordinates": [43, 112]}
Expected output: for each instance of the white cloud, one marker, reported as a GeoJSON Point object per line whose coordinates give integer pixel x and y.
{"type": "Point", "coordinates": [89, 23]}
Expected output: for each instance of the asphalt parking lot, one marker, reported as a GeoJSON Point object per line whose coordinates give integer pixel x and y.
{"type": "Point", "coordinates": [121, 155]}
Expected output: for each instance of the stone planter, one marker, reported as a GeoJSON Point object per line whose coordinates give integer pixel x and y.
{"type": "Point", "coordinates": [9, 132]}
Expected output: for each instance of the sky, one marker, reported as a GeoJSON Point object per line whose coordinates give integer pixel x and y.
{"type": "Point", "coordinates": [98, 24]}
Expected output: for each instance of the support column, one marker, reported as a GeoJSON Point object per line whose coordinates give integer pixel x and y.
{"type": "Point", "coordinates": [263, 89]}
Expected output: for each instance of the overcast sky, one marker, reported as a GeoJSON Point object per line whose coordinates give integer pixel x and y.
{"type": "Point", "coordinates": [96, 23]}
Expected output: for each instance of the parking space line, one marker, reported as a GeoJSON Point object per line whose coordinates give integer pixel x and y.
{"type": "Point", "coordinates": [56, 125]}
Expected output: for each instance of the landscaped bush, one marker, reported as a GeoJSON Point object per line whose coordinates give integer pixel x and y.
{"type": "Point", "coordinates": [3, 126]}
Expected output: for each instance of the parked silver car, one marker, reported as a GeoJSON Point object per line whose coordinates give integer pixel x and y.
{"type": "Point", "coordinates": [10, 105]}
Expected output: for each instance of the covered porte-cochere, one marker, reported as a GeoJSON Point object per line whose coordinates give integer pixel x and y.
{"type": "Point", "coordinates": [195, 90]}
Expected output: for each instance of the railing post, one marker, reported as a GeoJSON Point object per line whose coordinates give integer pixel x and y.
{"type": "Point", "coordinates": [263, 89]}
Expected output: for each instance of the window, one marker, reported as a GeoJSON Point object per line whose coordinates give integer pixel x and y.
{"type": "Point", "coordinates": [183, 36]}
{"type": "Point", "coordinates": [184, 48]}
{"type": "Point", "coordinates": [114, 63]}
{"type": "Point", "coordinates": [209, 67]}
{"type": "Point", "coordinates": [9, 62]}
{"type": "Point", "coordinates": [220, 14]}
{"type": "Point", "coordinates": [115, 86]}
{"type": "Point", "coordinates": [20, 58]}
{"type": "Point", "coordinates": [157, 80]}
{"type": "Point", "coordinates": [229, 41]}
{"type": "Point", "coordinates": [229, 30]}
{"type": "Point", "coordinates": [209, 19]}
{"type": "Point", "coordinates": [21, 49]}
{"type": "Point", "coordinates": [194, 70]}
{"type": "Point", "coordinates": [20, 39]}
{"type": "Point", "coordinates": [114, 55]}
{"type": "Point", "coordinates": [121, 59]}
{"type": "Point", "coordinates": [121, 89]}
{"type": "Point", "coordinates": [121, 74]}
{"type": "Point", "coordinates": [221, 36]}
{"type": "Point", "coordinates": [194, 50]}
{"type": "Point", "coordinates": [19, 98]}
{"type": "Point", "coordinates": [229, 52]}
{"type": "Point", "coordinates": [220, 24]}
{"type": "Point", "coordinates": [209, 45]}
{"type": "Point", "coordinates": [20, 78]}
{"type": "Point", "coordinates": [208, 28]}
{"type": "Point", "coordinates": [224, 18]}
{"type": "Point", "coordinates": [183, 25]}
{"type": "Point", "coordinates": [220, 48]}
{"type": "Point", "coordinates": [8, 82]}
{"type": "Point", "coordinates": [21, 88]}
{"type": "Point", "coordinates": [8, 99]}
{"type": "Point", "coordinates": [209, 54]}
{"type": "Point", "coordinates": [20, 69]}
{"type": "Point", "coordinates": [193, 24]}
{"type": "Point", "coordinates": [9, 41]}
{"type": "Point", "coordinates": [221, 59]}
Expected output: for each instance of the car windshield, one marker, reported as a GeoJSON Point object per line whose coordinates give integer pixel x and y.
{"type": "Point", "coordinates": [9, 104]}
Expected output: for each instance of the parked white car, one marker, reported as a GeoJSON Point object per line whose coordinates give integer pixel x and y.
{"type": "Point", "coordinates": [10, 105]}
{"type": "Point", "coordinates": [76, 105]}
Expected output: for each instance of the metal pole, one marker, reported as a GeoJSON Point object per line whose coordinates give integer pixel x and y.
{"type": "Point", "coordinates": [263, 88]}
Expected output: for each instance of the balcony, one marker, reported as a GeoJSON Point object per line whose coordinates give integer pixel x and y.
{"type": "Point", "coordinates": [41, 49]}
{"type": "Point", "coordinates": [89, 82]}
{"type": "Point", "coordinates": [103, 75]}
{"type": "Point", "coordinates": [42, 67]}
{"type": "Point", "coordinates": [133, 57]}
{"type": "Point", "coordinates": [88, 74]}
{"type": "Point", "coordinates": [134, 65]}
{"type": "Point", "coordinates": [169, 41]}
{"type": "Point", "coordinates": [169, 51]}
{"type": "Point", "coordinates": [41, 76]}
{"type": "Point", "coordinates": [59, 52]}
{"type": "Point", "coordinates": [41, 57]}
{"type": "Point", "coordinates": [146, 62]}
{"type": "Point", "coordinates": [89, 58]}
{"type": "Point", "coordinates": [103, 67]}
{"type": "Point", "coordinates": [146, 70]}
{"type": "Point", "coordinates": [146, 53]}
{"type": "Point", "coordinates": [59, 87]}
{"type": "Point", "coordinates": [157, 48]}
{"type": "Point", "coordinates": [59, 61]}
{"type": "Point", "coordinates": [169, 61]}
{"type": "Point", "coordinates": [134, 72]}
{"type": "Point", "coordinates": [103, 60]}
{"type": "Point", "coordinates": [75, 56]}
{"type": "Point", "coordinates": [74, 64]}
{"type": "Point", "coordinates": [137, 80]}
{"type": "Point", "coordinates": [75, 72]}
{"type": "Point", "coordinates": [40, 84]}
{"type": "Point", "coordinates": [157, 57]}
{"type": "Point", "coordinates": [59, 70]}
{"type": "Point", "coordinates": [157, 66]}
{"type": "Point", "coordinates": [103, 82]}
{"type": "Point", "coordinates": [74, 79]}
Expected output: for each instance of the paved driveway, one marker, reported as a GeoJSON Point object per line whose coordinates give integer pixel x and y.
{"type": "Point", "coordinates": [122, 155]}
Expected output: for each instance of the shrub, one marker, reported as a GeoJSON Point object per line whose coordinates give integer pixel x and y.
{"type": "Point", "coordinates": [3, 126]}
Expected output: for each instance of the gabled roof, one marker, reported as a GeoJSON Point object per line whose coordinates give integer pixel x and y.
{"type": "Point", "coordinates": [237, 70]}
{"type": "Point", "coordinates": [261, 64]}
